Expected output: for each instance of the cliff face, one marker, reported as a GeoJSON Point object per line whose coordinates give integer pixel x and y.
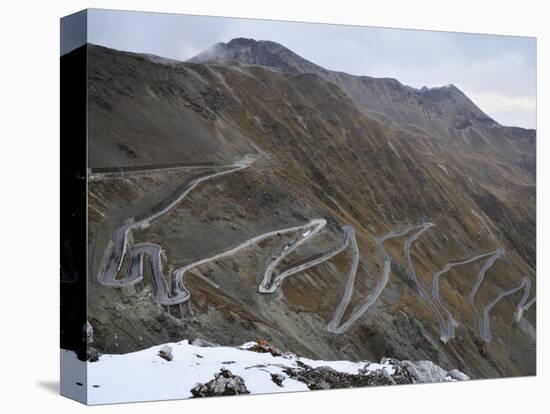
{"type": "Point", "coordinates": [368, 153]}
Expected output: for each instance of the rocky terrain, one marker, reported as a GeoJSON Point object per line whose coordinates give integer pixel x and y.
{"type": "Point", "coordinates": [198, 369]}
{"type": "Point", "coordinates": [379, 157]}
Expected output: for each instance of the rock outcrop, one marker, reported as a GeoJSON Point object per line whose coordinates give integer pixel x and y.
{"type": "Point", "coordinates": [224, 383]}
{"type": "Point", "coordinates": [388, 372]}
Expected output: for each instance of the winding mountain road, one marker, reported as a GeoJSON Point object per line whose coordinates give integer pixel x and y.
{"type": "Point", "coordinates": [481, 275]}
{"type": "Point", "coordinates": [121, 246]}
{"type": "Point", "coordinates": [334, 325]}
{"type": "Point", "coordinates": [270, 282]}
{"type": "Point", "coordinates": [124, 262]}
{"type": "Point", "coordinates": [525, 284]}
{"type": "Point", "coordinates": [447, 330]}
{"type": "Point", "coordinates": [411, 273]}
{"type": "Point", "coordinates": [484, 322]}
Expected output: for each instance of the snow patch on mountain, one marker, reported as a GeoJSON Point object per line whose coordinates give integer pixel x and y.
{"type": "Point", "coordinates": [148, 375]}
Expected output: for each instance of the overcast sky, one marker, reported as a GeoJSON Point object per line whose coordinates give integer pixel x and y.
{"type": "Point", "coordinates": [497, 72]}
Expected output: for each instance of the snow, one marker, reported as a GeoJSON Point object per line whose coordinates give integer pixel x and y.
{"type": "Point", "coordinates": [73, 372]}
{"type": "Point", "coordinates": [341, 366]}
{"type": "Point", "coordinates": [390, 369]}
{"type": "Point", "coordinates": [248, 345]}
{"type": "Point", "coordinates": [349, 367]}
{"type": "Point", "coordinates": [145, 376]}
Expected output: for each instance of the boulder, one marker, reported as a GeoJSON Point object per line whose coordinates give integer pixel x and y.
{"type": "Point", "coordinates": [224, 383]}
{"type": "Point", "coordinates": [262, 346]}
{"type": "Point", "coordinates": [458, 375]}
{"type": "Point", "coordinates": [424, 371]}
{"type": "Point", "coordinates": [166, 353]}
{"type": "Point", "coordinates": [92, 355]}
{"type": "Point", "coordinates": [278, 379]}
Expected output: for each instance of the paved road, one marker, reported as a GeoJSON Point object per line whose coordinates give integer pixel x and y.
{"type": "Point", "coordinates": [484, 322]}
{"type": "Point", "coordinates": [270, 282]}
{"type": "Point", "coordinates": [121, 252]}
{"type": "Point", "coordinates": [525, 284]}
{"type": "Point", "coordinates": [116, 172]}
{"type": "Point", "coordinates": [447, 330]}
{"type": "Point", "coordinates": [481, 275]}
{"type": "Point", "coordinates": [121, 248]}
{"type": "Point", "coordinates": [335, 325]}
{"type": "Point", "coordinates": [412, 274]}
{"type": "Point", "coordinates": [313, 225]}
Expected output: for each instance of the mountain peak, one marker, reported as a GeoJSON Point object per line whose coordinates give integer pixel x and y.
{"type": "Point", "coordinates": [247, 41]}
{"type": "Point", "coordinates": [255, 52]}
{"type": "Point", "coordinates": [448, 98]}
{"type": "Point", "coordinates": [451, 99]}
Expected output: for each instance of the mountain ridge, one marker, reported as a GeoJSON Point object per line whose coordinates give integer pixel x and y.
{"type": "Point", "coordinates": [359, 88]}
{"type": "Point", "coordinates": [224, 53]}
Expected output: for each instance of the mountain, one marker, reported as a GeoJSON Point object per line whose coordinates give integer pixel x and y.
{"type": "Point", "coordinates": [403, 184]}
{"type": "Point", "coordinates": [255, 52]}
{"type": "Point", "coordinates": [431, 110]}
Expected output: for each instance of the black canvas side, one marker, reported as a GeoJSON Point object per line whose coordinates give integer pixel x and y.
{"type": "Point", "coordinates": [73, 131]}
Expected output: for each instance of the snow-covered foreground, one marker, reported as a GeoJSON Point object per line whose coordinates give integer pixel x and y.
{"type": "Point", "coordinates": [145, 376]}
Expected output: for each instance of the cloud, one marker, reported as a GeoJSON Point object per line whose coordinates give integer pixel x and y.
{"type": "Point", "coordinates": [507, 110]}
{"type": "Point", "coordinates": [497, 72]}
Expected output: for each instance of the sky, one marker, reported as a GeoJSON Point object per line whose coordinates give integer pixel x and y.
{"type": "Point", "coordinates": [497, 72]}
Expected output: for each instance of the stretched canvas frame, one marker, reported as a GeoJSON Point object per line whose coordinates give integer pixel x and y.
{"type": "Point", "coordinates": [246, 221]}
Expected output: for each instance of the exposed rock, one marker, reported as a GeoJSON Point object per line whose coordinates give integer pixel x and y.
{"type": "Point", "coordinates": [324, 378]}
{"type": "Point", "coordinates": [388, 372]}
{"type": "Point", "coordinates": [399, 375]}
{"type": "Point", "coordinates": [262, 346]}
{"type": "Point", "coordinates": [224, 383]}
{"type": "Point", "coordinates": [88, 332]}
{"type": "Point", "coordinates": [424, 371]}
{"type": "Point", "coordinates": [458, 375]}
{"type": "Point", "coordinates": [278, 379]}
{"type": "Point", "coordinates": [166, 353]}
{"type": "Point", "coordinates": [92, 355]}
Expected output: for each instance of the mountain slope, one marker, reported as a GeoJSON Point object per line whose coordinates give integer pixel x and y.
{"type": "Point", "coordinates": [321, 154]}
{"type": "Point", "coordinates": [435, 111]}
